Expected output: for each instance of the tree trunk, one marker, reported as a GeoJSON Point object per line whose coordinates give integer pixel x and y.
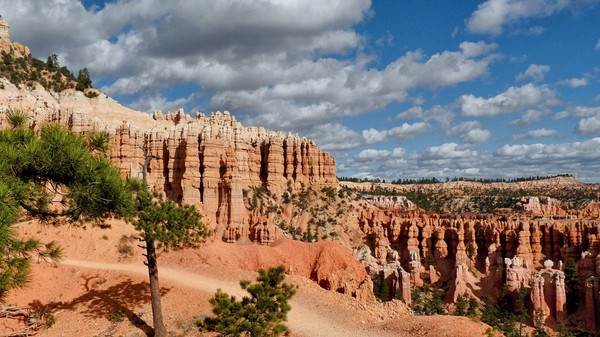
{"type": "Point", "coordinates": [157, 317]}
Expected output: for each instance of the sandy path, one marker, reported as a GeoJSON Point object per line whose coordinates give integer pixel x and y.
{"type": "Point", "coordinates": [301, 319]}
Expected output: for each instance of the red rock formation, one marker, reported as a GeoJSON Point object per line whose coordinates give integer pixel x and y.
{"type": "Point", "coordinates": [205, 161]}
{"type": "Point", "coordinates": [549, 293]}
{"type": "Point", "coordinates": [592, 308]}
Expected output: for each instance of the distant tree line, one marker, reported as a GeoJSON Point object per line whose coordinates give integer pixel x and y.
{"type": "Point", "coordinates": [434, 180]}
{"type": "Point", "coordinates": [361, 180]}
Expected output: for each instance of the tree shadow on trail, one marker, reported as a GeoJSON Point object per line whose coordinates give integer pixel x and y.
{"type": "Point", "coordinates": [100, 303]}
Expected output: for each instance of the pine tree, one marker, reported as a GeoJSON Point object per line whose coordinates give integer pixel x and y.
{"type": "Point", "coordinates": [52, 62]}
{"type": "Point", "coordinates": [34, 170]}
{"type": "Point", "coordinates": [380, 288]}
{"type": "Point", "coordinates": [261, 314]}
{"type": "Point", "coordinates": [168, 225]}
{"type": "Point", "coordinates": [428, 300]}
{"type": "Point", "coordinates": [473, 307]}
{"type": "Point", "coordinates": [461, 306]}
{"type": "Point", "coordinates": [84, 80]}
{"type": "Point", "coordinates": [539, 325]}
{"type": "Point", "coordinates": [572, 284]}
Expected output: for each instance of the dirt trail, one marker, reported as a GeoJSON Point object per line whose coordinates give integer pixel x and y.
{"type": "Point", "coordinates": [302, 319]}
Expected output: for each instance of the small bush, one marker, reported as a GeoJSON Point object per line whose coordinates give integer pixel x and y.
{"type": "Point", "coordinates": [125, 248]}
{"type": "Point", "coordinates": [116, 316]}
{"type": "Point", "coordinates": [16, 118]}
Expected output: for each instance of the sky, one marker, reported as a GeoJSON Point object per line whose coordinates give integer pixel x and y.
{"type": "Point", "coordinates": [392, 89]}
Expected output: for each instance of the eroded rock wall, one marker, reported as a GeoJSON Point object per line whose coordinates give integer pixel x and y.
{"type": "Point", "coordinates": [479, 254]}
{"type": "Point", "coordinates": [206, 161]}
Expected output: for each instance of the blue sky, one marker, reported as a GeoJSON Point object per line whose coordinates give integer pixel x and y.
{"type": "Point", "coordinates": [393, 89]}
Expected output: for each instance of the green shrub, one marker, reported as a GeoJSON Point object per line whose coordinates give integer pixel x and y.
{"type": "Point", "coordinates": [428, 300]}
{"type": "Point", "coordinates": [116, 316]}
{"type": "Point", "coordinates": [261, 314]}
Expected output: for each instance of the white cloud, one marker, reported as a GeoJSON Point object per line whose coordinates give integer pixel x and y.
{"type": "Point", "coordinates": [588, 126]}
{"type": "Point", "coordinates": [575, 82]}
{"type": "Point", "coordinates": [335, 137]}
{"type": "Point", "coordinates": [508, 161]}
{"type": "Point", "coordinates": [372, 154]}
{"type": "Point", "coordinates": [563, 153]}
{"type": "Point", "coordinates": [370, 160]}
{"type": "Point", "coordinates": [411, 113]}
{"type": "Point", "coordinates": [470, 132]}
{"type": "Point", "coordinates": [441, 114]}
{"type": "Point", "coordinates": [512, 100]}
{"type": "Point", "coordinates": [332, 88]}
{"type": "Point", "coordinates": [447, 151]}
{"type": "Point", "coordinates": [404, 131]}
{"type": "Point", "coordinates": [530, 116]}
{"type": "Point", "coordinates": [578, 111]}
{"type": "Point", "coordinates": [279, 64]}
{"type": "Point", "coordinates": [539, 133]}
{"type": "Point", "coordinates": [149, 104]}
{"type": "Point", "coordinates": [534, 71]}
{"type": "Point", "coordinates": [472, 49]}
{"type": "Point", "coordinates": [597, 47]}
{"type": "Point", "coordinates": [492, 15]}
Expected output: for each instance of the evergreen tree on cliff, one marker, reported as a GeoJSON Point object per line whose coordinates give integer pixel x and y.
{"type": "Point", "coordinates": [167, 225]}
{"type": "Point", "coordinates": [34, 171]}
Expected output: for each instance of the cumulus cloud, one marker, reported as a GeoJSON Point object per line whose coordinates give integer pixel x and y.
{"type": "Point", "coordinates": [539, 133]}
{"type": "Point", "coordinates": [471, 132]}
{"type": "Point", "coordinates": [447, 151]}
{"type": "Point", "coordinates": [344, 89]}
{"type": "Point", "coordinates": [442, 115]}
{"type": "Point", "coordinates": [508, 161]}
{"type": "Point", "coordinates": [448, 157]}
{"type": "Point", "coordinates": [471, 49]}
{"type": "Point", "coordinates": [150, 103]}
{"type": "Point", "coordinates": [278, 64]}
{"type": "Point", "coordinates": [492, 15]}
{"type": "Point", "coordinates": [528, 117]}
{"type": "Point", "coordinates": [404, 131]}
{"type": "Point", "coordinates": [371, 162]}
{"type": "Point", "coordinates": [588, 126]}
{"type": "Point", "coordinates": [335, 137]}
{"type": "Point", "coordinates": [372, 154]}
{"type": "Point", "coordinates": [575, 82]}
{"type": "Point", "coordinates": [534, 71]}
{"type": "Point", "coordinates": [578, 111]}
{"type": "Point", "coordinates": [575, 153]}
{"type": "Point", "coordinates": [512, 100]}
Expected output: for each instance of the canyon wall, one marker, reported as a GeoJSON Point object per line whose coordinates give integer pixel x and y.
{"type": "Point", "coordinates": [207, 161]}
